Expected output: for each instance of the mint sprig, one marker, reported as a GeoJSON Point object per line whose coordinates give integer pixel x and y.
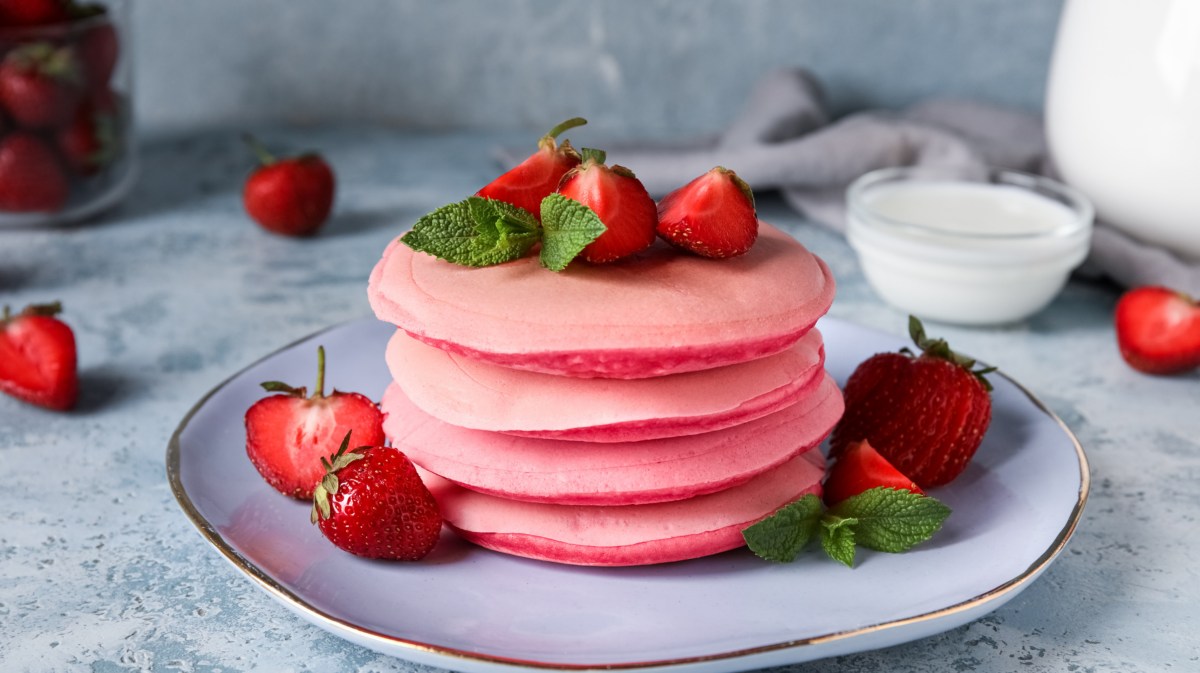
{"type": "Point", "coordinates": [884, 519]}
{"type": "Point", "coordinates": [568, 227]}
{"type": "Point", "coordinates": [483, 232]}
{"type": "Point", "coordinates": [475, 232]}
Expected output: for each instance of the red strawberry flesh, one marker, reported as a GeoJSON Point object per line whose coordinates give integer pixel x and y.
{"type": "Point", "coordinates": [535, 178]}
{"type": "Point", "coordinates": [1158, 330]}
{"type": "Point", "coordinates": [861, 468]}
{"type": "Point", "coordinates": [712, 216]}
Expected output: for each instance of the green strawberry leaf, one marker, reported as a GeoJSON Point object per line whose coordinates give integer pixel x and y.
{"type": "Point", "coordinates": [781, 536]}
{"type": "Point", "coordinates": [568, 227]}
{"type": "Point", "coordinates": [837, 537]}
{"type": "Point", "coordinates": [890, 519]}
{"type": "Point", "coordinates": [475, 232]}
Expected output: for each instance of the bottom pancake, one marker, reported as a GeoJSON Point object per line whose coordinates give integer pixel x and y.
{"type": "Point", "coordinates": [625, 535]}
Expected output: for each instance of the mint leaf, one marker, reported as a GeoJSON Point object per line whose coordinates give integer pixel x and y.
{"type": "Point", "coordinates": [568, 227]}
{"type": "Point", "coordinates": [892, 520]}
{"type": "Point", "coordinates": [781, 536]}
{"type": "Point", "coordinates": [837, 537]}
{"type": "Point", "coordinates": [475, 232]}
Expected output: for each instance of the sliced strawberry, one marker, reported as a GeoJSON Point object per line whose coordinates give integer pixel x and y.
{"type": "Point", "coordinates": [40, 85]}
{"type": "Point", "coordinates": [31, 177]}
{"type": "Point", "coordinates": [619, 200]}
{"type": "Point", "coordinates": [526, 184]}
{"type": "Point", "coordinates": [861, 468]}
{"type": "Point", "coordinates": [925, 414]}
{"type": "Point", "coordinates": [371, 502]}
{"type": "Point", "coordinates": [288, 434]}
{"type": "Point", "coordinates": [712, 216]}
{"type": "Point", "coordinates": [1158, 330]}
{"type": "Point", "coordinates": [38, 358]}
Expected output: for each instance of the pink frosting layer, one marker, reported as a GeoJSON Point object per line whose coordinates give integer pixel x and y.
{"type": "Point", "coordinates": [483, 396]}
{"type": "Point", "coordinates": [560, 472]}
{"type": "Point", "coordinates": [630, 534]}
{"type": "Point", "coordinates": [657, 313]}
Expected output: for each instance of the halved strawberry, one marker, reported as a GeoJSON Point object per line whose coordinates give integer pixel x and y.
{"type": "Point", "coordinates": [287, 435]}
{"type": "Point", "coordinates": [926, 414]}
{"type": "Point", "coordinates": [619, 200]}
{"type": "Point", "coordinates": [712, 216]}
{"type": "Point", "coordinates": [38, 358]}
{"type": "Point", "coordinates": [1158, 330]}
{"type": "Point", "coordinates": [860, 468]}
{"type": "Point", "coordinates": [371, 502]}
{"type": "Point", "coordinates": [526, 184]}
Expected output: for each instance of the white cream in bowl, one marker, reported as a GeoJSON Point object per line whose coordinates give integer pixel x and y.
{"type": "Point", "coordinates": [971, 251]}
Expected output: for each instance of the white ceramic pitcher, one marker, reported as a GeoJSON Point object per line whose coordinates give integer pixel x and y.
{"type": "Point", "coordinates": [1123, 114]}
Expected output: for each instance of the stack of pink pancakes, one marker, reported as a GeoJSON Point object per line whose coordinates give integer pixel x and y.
{"type": "Point", "coordinates": [626, 414]}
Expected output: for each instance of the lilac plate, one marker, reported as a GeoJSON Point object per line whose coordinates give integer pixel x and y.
{"type": "Point", "coordinates": [470, 609]}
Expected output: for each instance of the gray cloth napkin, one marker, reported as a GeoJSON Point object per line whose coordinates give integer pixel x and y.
{"type": "Point", "coordinates": [784, 139]}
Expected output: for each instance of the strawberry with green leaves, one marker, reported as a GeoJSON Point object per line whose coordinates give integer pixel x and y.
{"type": "Point", "coordinates": [620, 203]}
{"type": "Point", "coordinates": [926, 414]}
{"type": "Point", "coordinates": [289, 434]}
{"type": "Point", "coordinates": [712, 216]}
{"type": "Point", "coordinates": [535, 178]}
{"type": "Point", "coordinates": [291, 196]}
{"type": "Point", "coordinates": [38, 357]}
{"type": "Point", "coordinates": [372, 503]}
{"type": "Point", "coordinates": [40, 84]}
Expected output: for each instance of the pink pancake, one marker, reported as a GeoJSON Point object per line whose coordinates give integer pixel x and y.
{"type": "Point", "coordinates": [473, 394]}
{"type": "Point", "coordinates": [573, 473]}
{"type": "Point", "coordinates": [660, 312]}
{"type": "Point", "coordinates": [629, 534]}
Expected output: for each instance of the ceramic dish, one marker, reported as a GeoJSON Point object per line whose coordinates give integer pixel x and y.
{"type": "Point", "coordinates": [469, 609]}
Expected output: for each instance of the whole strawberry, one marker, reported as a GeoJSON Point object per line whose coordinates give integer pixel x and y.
{"type": "Point", "coordinates": [89, 143]}
{"type": "Point", "coordinates": [619, 201]}
{"type": "Point", "coordinates": [31, 177]}
{"type": "Point", "coordinates": [40, 85]}
{"type": "Point", "coordinates": [290, 196]}
{"type": "Point", "coordinates": [288, 435]}
{"type": "Point", "coordinates": [38, 358]}
{"type": "Point", "coordinates": [926, 414]}
{"type": "Point", "coordinates": [526, 184]}
{"type": "Point", "coordinates": [19, 13]}
{"type": "Point", "coordinates": [371, 502]}
{"type": "Point", "coordinates": [712, 216]}
{"type": "Point", "coordinates": [98, 49]}
{"type": "Point", "coordinates": [1158, 330]}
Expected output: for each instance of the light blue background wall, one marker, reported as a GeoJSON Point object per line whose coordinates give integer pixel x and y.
{"type": "Point", "coordinates": [634, 67]}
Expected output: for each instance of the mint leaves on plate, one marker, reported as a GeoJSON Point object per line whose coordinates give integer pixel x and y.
{"type": "Point", "coordinates": [883, 519]}
{"type": "Point", "coordinates": [483, 232]}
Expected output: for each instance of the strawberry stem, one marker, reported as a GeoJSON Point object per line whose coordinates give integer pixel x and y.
{"type": "Point", "coordinates": [265, 158]}
{"type": "Point", "coordinates": [320, 391]}
{"type": "Point", "coordinates": [569, 124]}
{"type": "Point", "coordinates": [591, 154]}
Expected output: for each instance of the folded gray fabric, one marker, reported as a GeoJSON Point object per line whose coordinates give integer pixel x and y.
{"type": "Point", "coordinates": [783, 139]}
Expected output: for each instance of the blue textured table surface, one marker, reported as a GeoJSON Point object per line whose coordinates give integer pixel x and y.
{"type": "Point", "coordinates": [101, 571]}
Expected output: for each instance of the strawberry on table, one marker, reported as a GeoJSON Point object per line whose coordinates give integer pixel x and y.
{"type": "Point", "coordinates": [926, 414]}
{"type": "Point", "coordinates": [1158, 330]}
{"type": "Point", "coordinates": [712, 216]}
{"type": "Point", "coordinates": [38, 358]}
{"type": "Point", "coordinates": [287, 435]}
{"type": "Point", "coordinates": [371, 502]}
{"type": "Point", "coordinates": [290, 196]}
{"type": "Point", "coordinates": [535, 178]}
{"type": "Point", "coordinates": [860, 468]}
{"type": "Point", "coordinates": [32, 178]}
{"type": "Point", "coordinates": [620, 202]}
{"type": "Point", "coordinates": [40, 85]}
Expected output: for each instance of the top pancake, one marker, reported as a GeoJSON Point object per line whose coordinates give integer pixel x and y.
{"type": "Point", "coordinates": [656, 313]}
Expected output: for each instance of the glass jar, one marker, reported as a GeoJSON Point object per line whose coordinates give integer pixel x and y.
{"type": "Point", "coordinates": [66, 123]}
